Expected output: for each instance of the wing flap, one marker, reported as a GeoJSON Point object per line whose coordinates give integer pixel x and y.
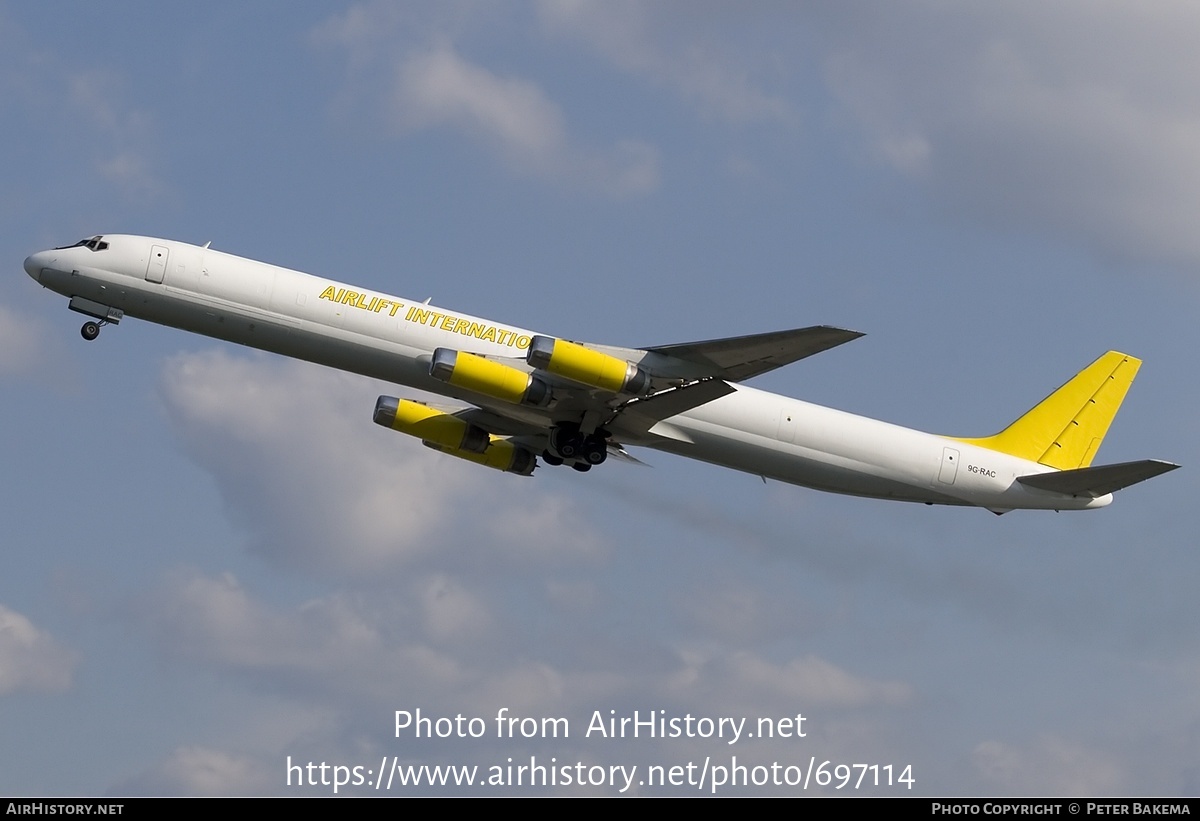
{"type": "Point", "coordinates": [739, 358]}
{"type": "Point", "coordinates": [1097, 481]}
{"type": "Point", "coordinates": [617, 451]}
{"type": "Point", "coordinates": [643, 414]}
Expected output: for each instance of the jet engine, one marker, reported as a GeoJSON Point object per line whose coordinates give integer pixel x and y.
{"type": "Point", "coordinates": [488, 377]}
{"type": "Point", "coordinates": [431, 425]}
{"type": "Point", "coordinates": [451, 435]}
{"type": "Point", "coordinates": [582, 364]}
{"type": "Point", "coordinates": [500, 455]}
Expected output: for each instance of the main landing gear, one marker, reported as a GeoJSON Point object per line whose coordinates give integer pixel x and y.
{"type": "Point", "coordinates": [582, 450]}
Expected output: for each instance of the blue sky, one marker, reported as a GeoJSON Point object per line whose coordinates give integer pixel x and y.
{"type": "Point", "coordinates": [214, 561]}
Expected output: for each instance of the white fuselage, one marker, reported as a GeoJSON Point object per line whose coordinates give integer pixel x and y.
{"type": "Point", "coordinates": [390, 338]}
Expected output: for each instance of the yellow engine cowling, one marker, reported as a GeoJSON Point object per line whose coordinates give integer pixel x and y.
{"type": "Point", "coordinates": [500, 455]}
{"type": "Point", "coordinates": [582, 364]}
{"type": "Point", "coordinates": [430, 425]}
{"type": "Point", "coordinates": [451, 435]}
{"type": "Point", "coordinates": [488, 377]}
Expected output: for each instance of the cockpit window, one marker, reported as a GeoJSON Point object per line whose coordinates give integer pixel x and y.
{"type": "Point", "coordinates": [96, 243]}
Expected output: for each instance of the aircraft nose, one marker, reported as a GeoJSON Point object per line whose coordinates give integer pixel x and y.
{"type": "Point", "coordinates": [34, 263]}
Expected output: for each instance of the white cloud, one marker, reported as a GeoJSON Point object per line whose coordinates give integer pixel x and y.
{"type": "Point", "coordinates": [197, 770]}
{"type": "Point", "coordinates": [515, 118]}
{"type": "Point", "coordinates": [118, 134]}
{"type": "Point", "coordinates": [643, 39]}
{"type": "Point", "coordinates": [451, 612]}
{"type": "Point", "coordinates": [1048, 766]}
{"type": "Point", "coordinates": [300, 463]}
{"type": "Point", "coordinates": [1060, 119]}
{"type": "Point", "coordinates": [548, 528]}
{"type": "Point", "coordinates": [434, 644]}
{"type": "Point", "coordinates": [440, 86]}
{"type": "Point", "coordinates": [84, 102]}
{"type": "Point", "coordinates": [1066, 118]}
{"type": "Point", "coordinates": [130, 171]}
{"type": "Point", "coordinates": [813, 680]}
{"type": "Point", "coordinates": [31, 659]}
{"type": "Point", "coordinates": [332, 644]}
{"type": "Point", "coordinates": [433, 86]}
{"type": "Point", "coordinates": [526, 688]}
{"type": "Point", "coordinates": [343, 643]}
{"type": "Point", "coordinates": [431, 642]}
{"type": "Point", "coordinates": [807, 680]}
{"type": "Point", "coordinates": [20, 342]}
{"type": "Point", "coordinates": [302, 467]}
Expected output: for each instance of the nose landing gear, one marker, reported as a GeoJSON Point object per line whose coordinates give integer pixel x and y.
{"type": "Point", "coordinates": [101, 315]}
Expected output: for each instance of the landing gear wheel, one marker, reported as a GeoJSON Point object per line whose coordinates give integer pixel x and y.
{"type": "Point", "coordinates": [566, 441]}
{"type": "Point", "coordinates": [90, 330]}
{"type": "Point", "coordinates": [550, 459]}
{"type": "Point", "coordinates": [595, 450]}
{"type": "Point", "coordinates": [569, 447]}
{"type": "Point", "coordinates": [582, 467]}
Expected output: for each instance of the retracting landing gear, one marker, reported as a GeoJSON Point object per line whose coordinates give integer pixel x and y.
{"type": "Point", "coordinates": [101, 315]}
{"type": "Point", "coordinates": [595, 450]}
{"type": "Point", "coordinates": [566, 440]}
{"type": "Point", "coordinates": [582, 450]}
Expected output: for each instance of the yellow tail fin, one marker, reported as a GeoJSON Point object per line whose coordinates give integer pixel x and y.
{"type": "Point", "coordinates": [1065, 429]}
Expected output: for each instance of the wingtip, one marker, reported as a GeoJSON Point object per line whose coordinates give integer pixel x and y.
{"type": "Point", "coordinates": [850, 333]}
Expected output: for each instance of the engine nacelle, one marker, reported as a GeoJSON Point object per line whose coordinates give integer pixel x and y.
{"type": "Point", "coordinates": [582, 364]}
{"type": "Point", "coordinates": [488, 377]}
{"type": "Point", "coordinates": [449, 434]}
{"type": "Point", "coordinates": [431, 425]}
{"type": "Point", "coordinates": [500, 455]}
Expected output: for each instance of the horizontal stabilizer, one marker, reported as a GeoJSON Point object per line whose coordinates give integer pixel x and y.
{"type": "Point", "coordinates": [738, 358]}
{"type": "Point", "coordinates": [1097, 481]}
{"type": "Point", "coordinates": [645, 413]}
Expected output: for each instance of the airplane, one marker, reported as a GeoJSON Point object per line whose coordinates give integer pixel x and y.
{"type": "Point", "coordinates": [532, 397]}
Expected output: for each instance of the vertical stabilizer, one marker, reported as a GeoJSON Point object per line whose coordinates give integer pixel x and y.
{"type": "Point", "coordinates": [1066, 428]}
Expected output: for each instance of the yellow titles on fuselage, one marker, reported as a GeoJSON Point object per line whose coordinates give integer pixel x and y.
{"type": "Point", "coordinates": [483, 331]}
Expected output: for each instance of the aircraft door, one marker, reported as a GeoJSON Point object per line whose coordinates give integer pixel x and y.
{"type": "Point", "coordinates": [949, 467]}
{"type": "Point", "coordinates": [157, 267]}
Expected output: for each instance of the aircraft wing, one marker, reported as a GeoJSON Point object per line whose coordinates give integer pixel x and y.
{"type": "Point", "coordinates": [569, 386]}
{"type": "Point", "coordinates": [643, 414]}
{"type": "Point", "coordinates": [677, 378]}
{"type": "Point", "coordinates": [501, 422]}
{"type": "Point", "coordinates": [739, 358]}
